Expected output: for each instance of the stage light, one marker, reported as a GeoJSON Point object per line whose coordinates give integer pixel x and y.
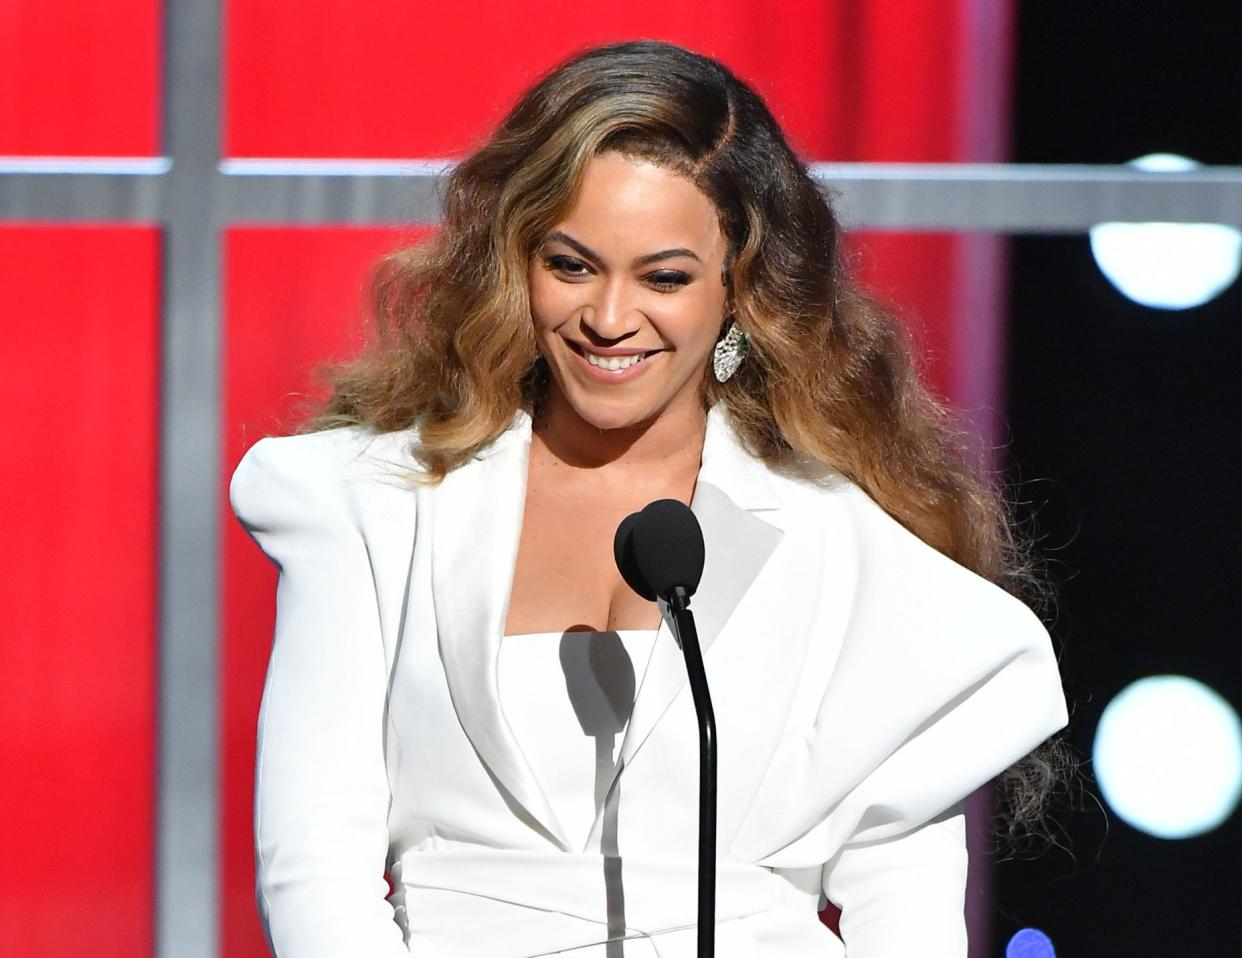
{"type": "Point", "coordinates": [1030, 943]}
{"type": "Point", "coordinates": [1168, 756]}
{"type": "Point", "coordinates": [1168, 265]}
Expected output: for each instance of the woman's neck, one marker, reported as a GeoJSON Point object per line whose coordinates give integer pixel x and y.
{"type": "Point", "coordinates": [670, 442]}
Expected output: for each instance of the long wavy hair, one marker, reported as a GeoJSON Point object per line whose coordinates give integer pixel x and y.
{"type": "Point", "coordinates": [829, 377]}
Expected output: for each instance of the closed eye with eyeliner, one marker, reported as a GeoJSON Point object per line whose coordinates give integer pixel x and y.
{"type": "Point", "coordinates": [572, 269]}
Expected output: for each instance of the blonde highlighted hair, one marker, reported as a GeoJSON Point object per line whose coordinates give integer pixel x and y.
{"type": "Point", "coordinates": [829, 377]}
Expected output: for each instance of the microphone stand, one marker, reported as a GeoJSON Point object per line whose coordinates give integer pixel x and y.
{"type": "Point", "coordinates": [687, 637]}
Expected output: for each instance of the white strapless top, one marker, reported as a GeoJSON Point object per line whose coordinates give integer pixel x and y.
{"type": "Point", "coordinates": [567, 696]}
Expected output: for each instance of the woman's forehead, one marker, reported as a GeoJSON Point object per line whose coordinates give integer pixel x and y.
{"type": "Point", "coordinates": [625, 203]}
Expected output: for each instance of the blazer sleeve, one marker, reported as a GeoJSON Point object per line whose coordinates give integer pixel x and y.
{"type": "Point", "coordinates": [942, 681]}
{"type": "Point", "coordinates": [905, 895]}
{"type": "Point", "coordinates": [321, 788]}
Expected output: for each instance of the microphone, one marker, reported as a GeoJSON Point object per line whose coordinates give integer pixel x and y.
{"type": "Point", "coordinates": [668, 548]}
{"type": "Point", "coordinates": [627, 565]}
{"type": "Point", "coordinates": [660, 554]}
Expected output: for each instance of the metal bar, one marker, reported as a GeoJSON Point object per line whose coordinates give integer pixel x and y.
{"type": "Point", "coordinates": [982, 197]}
{"type": "Point", "coordinates": [1019, 198]}
{"type": "Point", "coordinates": [187, 883]}
{"type": "Point", "coordinates": [318, 198]}
{"type": "Point", "coordinates": [979, 197]}
{"type": "Point", "coordinates": [71, 198]}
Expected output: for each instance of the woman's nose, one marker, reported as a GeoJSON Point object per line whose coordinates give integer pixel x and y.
{"type": "Point", "coordinates": [611, 314]}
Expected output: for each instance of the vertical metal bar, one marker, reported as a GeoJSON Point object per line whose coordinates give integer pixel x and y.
{"type": "Point", "coordinates": [187, 856]}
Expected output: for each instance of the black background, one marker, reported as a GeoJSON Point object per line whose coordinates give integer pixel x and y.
{"type": "Point", "coordinates": [1123, 422]}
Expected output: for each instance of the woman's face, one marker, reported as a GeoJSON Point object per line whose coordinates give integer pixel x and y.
{"type": "Point", "coordinates": [626, 294]}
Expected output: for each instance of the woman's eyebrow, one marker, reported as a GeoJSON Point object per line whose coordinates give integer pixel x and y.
{"type": "Point", "coordinates": [666, 254]}
{"type": "Point", "coordinates": [588, 253]}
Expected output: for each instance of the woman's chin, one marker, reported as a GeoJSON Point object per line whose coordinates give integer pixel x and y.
{"type": "Point", "coordinates": [610, 419]}
{"type": "Point", "coordinates": [636, 411]}
{"type": "Point", "coordinates": [624, 406]}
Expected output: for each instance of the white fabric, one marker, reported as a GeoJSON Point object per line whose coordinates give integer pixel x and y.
{"type": "Point", "coordinates": [863, 685]}
{"type": "Point", "coordinates": [567, 697]}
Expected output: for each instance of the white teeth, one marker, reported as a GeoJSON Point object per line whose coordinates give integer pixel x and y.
{"type": "Point", "coordinates": [612, 363]}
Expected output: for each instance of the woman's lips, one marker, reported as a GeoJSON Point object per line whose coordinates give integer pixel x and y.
{"type": "Point", "coordinates": [637, 364]}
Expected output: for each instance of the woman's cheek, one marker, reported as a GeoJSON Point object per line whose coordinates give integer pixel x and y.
{"type": "Point", "coordinates": [551, 306]}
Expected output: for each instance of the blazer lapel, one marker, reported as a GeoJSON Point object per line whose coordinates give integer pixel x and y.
{"type": "Point", "coordinates": [477, 525]}
{"type": "Point", "coordinates": [732, 491]}
{"type": "Point", "coordinates": [476, 530]}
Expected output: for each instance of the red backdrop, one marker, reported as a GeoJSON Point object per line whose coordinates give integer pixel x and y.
{"type": "Point", "coordinates": [79, 77]}
{"type": "Point", "coordinates": [77, 589]}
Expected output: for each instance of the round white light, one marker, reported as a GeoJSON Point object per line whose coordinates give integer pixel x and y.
{"type": "Point", "coordinates": [1168, 265]}
{"type": "Point", "coordinates": [1168, 756]}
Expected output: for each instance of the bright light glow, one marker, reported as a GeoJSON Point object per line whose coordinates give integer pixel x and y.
{"type": "Point", "coordinates": [1168, 265]}
{"type": "Point", "coordinates": [1168, 756]}
{"type": "Point", "coordinates": [1030, 943]}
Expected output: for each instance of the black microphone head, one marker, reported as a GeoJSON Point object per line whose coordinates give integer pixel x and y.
{"type": "Point", "coordinates": [668, 547]}
{"type": "Point", "coordinates": [623, 552]}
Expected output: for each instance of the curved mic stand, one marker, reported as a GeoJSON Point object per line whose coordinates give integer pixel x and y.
{"type": "Point", "coordinates": [687, 637]}
{"type": "Point", "coordinates": [660, 554]}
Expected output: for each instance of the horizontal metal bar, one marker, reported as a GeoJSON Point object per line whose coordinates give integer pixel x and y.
{"type": "Point", "coordinates": [331, 198]}
{"type": "Point", "coordinates": [995, 198]}
{"type": "Point", "coordinates": [1026, 198]}
{"type": "Point", "coordinates": [78, 197]}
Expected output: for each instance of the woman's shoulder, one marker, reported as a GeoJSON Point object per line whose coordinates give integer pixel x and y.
{"type": "Point", "coordinates": [340, 450]}
{"type": "Point", "coordinates": [893, 562]}
{"type": "Point", "coordinates": [318, 473]}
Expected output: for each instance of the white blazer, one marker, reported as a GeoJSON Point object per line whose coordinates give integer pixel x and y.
{"type": "Point", "coordinates": [863, 685]}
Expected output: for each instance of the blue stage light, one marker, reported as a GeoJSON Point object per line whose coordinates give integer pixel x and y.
{"type": "Point", "coordinates": [1030, 943]}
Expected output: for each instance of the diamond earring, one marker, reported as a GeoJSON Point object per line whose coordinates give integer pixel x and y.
{"type": "Point", "coordinates": [729, 353]}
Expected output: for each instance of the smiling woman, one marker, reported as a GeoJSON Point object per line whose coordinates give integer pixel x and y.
{"type": "Point", "coordinates": [636, 294]}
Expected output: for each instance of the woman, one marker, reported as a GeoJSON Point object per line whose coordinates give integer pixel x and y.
{"type": "Point", "coordinates": [636, 294]}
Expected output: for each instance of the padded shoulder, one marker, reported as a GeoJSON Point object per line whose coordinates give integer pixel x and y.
{"type": "Point", "coordinates": [315, 479]}
{"type": "Point", "coordinates": [942, 680]}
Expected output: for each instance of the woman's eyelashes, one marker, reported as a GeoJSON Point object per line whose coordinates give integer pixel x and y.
{"type": "Point", "coordinates": [663, 280]}
{"type": "Point", "coordinates": [567, 266]}
{"type": "Point", "coordinates": [668, 279]}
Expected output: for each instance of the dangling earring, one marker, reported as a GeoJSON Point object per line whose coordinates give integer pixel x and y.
{"type": "Point", "coordinates": [729, 353]}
